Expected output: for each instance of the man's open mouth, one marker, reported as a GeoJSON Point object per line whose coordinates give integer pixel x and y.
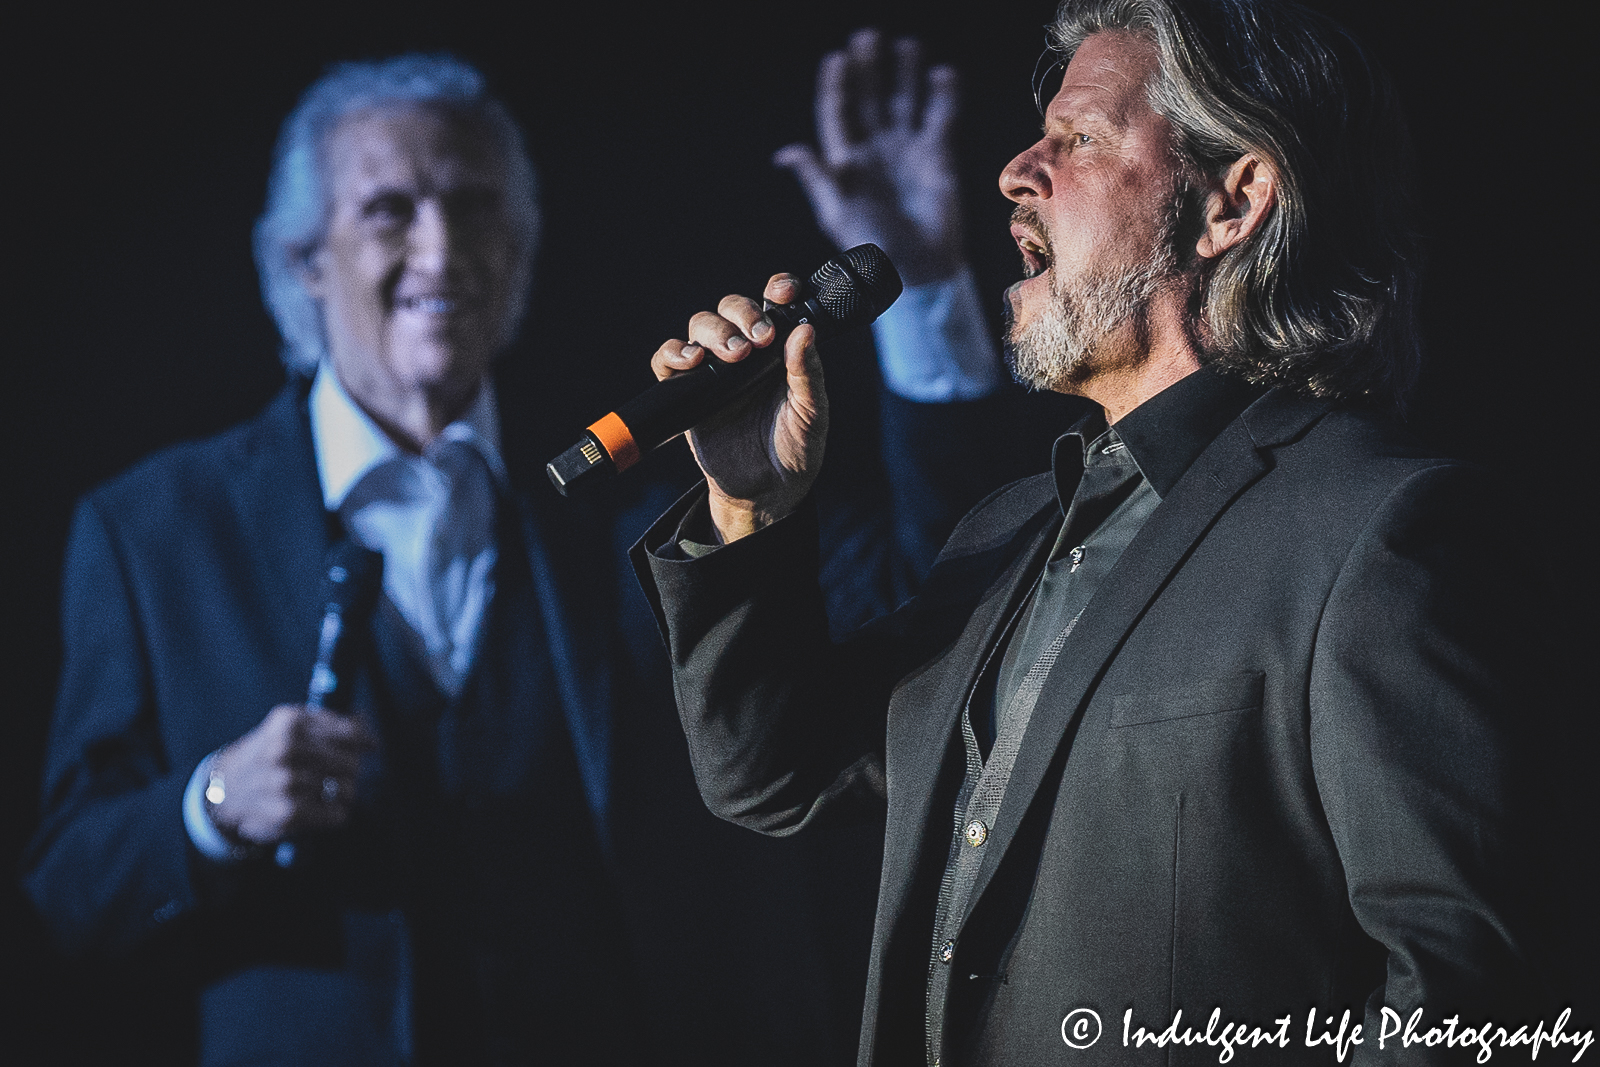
{"type": "Point", "coordinates": [1035, 248]}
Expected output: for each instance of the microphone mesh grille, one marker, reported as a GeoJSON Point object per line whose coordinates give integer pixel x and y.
{"type": "Point", "coordinates": [857, 285]}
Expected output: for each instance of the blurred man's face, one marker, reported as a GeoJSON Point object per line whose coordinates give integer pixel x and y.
{"type": "Point", "coordinates": [1096, 213]}
{"type": "Point", "coordinates": [415, 271]}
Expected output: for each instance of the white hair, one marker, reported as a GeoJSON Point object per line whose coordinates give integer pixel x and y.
{"type": "Point", "coordinates": [295, 220]}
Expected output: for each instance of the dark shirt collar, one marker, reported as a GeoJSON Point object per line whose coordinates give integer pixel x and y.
{"type": "Point", "coordinates": [1167, 433]}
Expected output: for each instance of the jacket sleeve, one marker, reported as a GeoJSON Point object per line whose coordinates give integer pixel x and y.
{"type": "Point", "coordinates": [110, 864]}
{"type": "Point", "coordinates": [782, 723]}
{"type": "Point", "coordinates": [786, 725]}
{"type": "Point", "coordinates": [1411, 752]}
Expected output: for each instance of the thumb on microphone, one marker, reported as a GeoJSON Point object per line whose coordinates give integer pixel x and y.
{"type": "Point", "coordinates": [761, 454]}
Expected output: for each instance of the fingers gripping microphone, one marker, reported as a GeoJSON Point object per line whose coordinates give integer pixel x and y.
{"type": "Point", "coordinates": [849, 290]}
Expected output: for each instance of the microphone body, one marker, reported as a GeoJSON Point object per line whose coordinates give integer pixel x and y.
{"type": "Point", "coordinates": [350, 589]}
{"type": "Point", "coordinates": [850, 290]}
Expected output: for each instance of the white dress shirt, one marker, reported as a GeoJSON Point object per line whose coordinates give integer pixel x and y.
{"type": "Point", "coordinates": [431, 516]}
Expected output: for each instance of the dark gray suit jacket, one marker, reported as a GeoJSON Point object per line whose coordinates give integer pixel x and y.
{"type": "Point", "coordinates": [1266, 775]}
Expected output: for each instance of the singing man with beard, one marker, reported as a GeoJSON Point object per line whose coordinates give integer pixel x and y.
{"type": "Point", "coordinates": [1211, 716]}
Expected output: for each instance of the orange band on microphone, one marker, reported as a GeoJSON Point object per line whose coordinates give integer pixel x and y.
{"type": "Point", "coordinates": [617, 440]}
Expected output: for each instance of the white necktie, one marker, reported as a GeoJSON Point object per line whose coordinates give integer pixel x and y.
{"type": "Point", "coordinates": [432, 517]}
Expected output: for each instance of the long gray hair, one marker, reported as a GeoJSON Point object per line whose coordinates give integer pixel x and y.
{"type": "Point", "coordinates": [295, 221]}
{"type": "Point", "coordinates": [1321, 298]}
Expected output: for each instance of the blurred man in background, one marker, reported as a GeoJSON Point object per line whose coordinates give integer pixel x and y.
{"type": "Point", "coordinates": [430, 876]}
{"type": "Point", "coordinates": [452, 868]}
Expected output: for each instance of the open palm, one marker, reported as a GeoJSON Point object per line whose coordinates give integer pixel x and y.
{"type": "Point", "coordinates": [882, 171]}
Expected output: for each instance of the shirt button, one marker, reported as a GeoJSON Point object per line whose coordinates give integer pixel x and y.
{"type": "Point", "coordinates": [947, 951]}
{"type": "Point", "coordinates": [977, 833]}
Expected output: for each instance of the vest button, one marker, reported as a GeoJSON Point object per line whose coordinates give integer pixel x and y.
{"type": "Point", "coordinates": [977, 833]}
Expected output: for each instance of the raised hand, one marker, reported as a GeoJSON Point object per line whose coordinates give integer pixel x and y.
{"type": "Point", "coordinates": [884, 173]}
{"type": "Point", "coordinates": [760, 455]}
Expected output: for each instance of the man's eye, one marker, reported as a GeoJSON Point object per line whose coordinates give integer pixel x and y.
{"type": "Point", "coordinates": [389, 208]}
{"type": "Point", "coordinates": [1080, 139]}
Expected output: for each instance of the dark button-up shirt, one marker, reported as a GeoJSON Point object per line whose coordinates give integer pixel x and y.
{"type": "Point", "coordinates": [1110, 480]}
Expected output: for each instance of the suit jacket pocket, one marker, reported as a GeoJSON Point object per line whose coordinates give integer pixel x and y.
{"type": "Point", "coordinates": [1207, 696]}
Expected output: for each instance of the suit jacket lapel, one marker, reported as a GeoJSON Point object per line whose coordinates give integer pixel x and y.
{"type": "Point", "coordinates": [1231, 463]}
{"type": "Point", "coordinates": [284, 529]}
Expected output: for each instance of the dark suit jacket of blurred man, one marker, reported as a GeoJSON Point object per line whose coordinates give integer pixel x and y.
{"type": "Point", "coordinates": [193, 588]}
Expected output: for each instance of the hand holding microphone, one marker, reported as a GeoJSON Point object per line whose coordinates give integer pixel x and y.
{"type": "Point", "coordinates": [295, 772]}
{"type": "Point", "coordinates": [760, 454]}
{"type": "Point", "coordinates": [758, 434]}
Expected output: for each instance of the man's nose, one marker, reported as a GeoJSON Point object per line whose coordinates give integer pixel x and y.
{"type": "Point", "coordinates": [430, 241]}
{"type": "Point", "coordinates": [1026, 176]}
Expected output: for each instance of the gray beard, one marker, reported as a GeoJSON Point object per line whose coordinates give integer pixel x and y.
{"type": "Point", "coordinates": [1060, 342]}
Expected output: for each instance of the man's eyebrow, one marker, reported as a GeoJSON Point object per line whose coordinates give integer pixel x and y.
{"type": "Point", "coordinates": [1076, 112]}
{"type": "Point", "coordinates": [379, 190]}
{"type": "Point", "coordinates": [1084, 96]}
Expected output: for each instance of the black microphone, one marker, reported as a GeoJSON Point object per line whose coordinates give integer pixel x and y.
{"type": "Point", "coordinates": [849, 290]}
{"type": "Point", "coordinates": [349, 590]}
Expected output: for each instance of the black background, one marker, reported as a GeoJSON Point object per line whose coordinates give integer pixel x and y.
{"type": "Point", "coordinates": [140, 141]}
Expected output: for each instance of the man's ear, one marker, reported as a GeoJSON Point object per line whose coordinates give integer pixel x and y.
{"type": "Point", "coordinates": [1237, 205]}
